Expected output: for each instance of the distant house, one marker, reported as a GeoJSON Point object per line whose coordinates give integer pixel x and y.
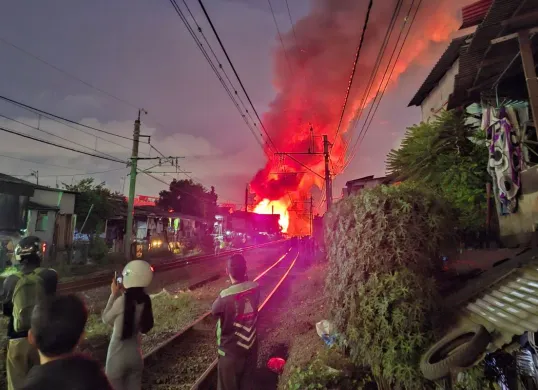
{"type": "Point", "coordinates": [354, 186]}
{"type": "Point", "coordinates": [48, 213]}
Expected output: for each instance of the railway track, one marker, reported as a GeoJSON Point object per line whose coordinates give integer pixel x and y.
{"type": "Point", "coordinates": [104, 279]}
{"type": "Point", "coordinates": [188, 359]}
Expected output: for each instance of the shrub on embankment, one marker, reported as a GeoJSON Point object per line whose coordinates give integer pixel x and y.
{"type": "Point", "coordinates": [383, 249]}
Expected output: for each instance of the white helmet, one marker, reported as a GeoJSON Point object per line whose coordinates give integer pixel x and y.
{"type": "Point", "coordinates": [137, 273]}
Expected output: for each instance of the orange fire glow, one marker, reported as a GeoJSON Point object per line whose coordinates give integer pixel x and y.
{"type": "Point", "coordinates": [311, 74]}
{"type": "Point", "coordinates": [278, 207]}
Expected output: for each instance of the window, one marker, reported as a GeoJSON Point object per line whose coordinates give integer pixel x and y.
{"type": "Point", "coordinates": [42, 221]}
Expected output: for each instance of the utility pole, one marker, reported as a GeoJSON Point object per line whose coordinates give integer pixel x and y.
{"type": "Point", "coordinates": [132, 187]}
{"type": "Point", "coordinates": [246, 199]}
{"type": "Point", "coordinates": [326, 177]}
{"type": "Point", "coordinates": [328, 182]}
{"type": "Point", "coordinates": [311, 215]}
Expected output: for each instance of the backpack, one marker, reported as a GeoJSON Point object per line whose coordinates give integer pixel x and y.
{"type": "Point", "coordinates": [29, 291]}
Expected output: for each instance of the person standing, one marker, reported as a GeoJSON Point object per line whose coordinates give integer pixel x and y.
{"type": "Point", "coordinates": [57, 328]}
{"type": "Point", "coordinates": [237, 311]}
{"type": "Point", "coordinates": [130, 313]}
{"type": "Point", "coordinates": [21, 292]}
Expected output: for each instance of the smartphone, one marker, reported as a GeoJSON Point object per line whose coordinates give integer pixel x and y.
{"type": "Point", "coordinates": [119, 279]}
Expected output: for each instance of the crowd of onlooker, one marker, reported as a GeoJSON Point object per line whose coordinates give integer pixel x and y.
{"type": "Point", "coordinates": [44, 329]}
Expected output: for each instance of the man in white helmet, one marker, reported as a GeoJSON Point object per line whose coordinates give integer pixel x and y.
{"type": "Point", "coordinates": [129, 311]}
{"type": "Point", "coordinates": [21, 292]}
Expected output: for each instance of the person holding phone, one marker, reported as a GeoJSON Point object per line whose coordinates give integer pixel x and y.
{"type": "Point", "coordinates": [129, 311]}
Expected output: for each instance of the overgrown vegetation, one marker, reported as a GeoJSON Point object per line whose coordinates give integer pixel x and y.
{"type": "Point", "coordinates": [383, 248]}
{"type": "Point", "coordinates": [447, 156]}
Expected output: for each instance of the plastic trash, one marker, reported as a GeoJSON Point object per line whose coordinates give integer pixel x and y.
{"type": "Point", "coordinates": [325, 329]}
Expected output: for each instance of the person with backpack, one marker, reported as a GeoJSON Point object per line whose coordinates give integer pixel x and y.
{"type": "Point", "coordinates": [131, 314]}
{"type": "Point", "coordinates": [237, 311]}
{"type": "Point", "coordinates": [21, 292]}
{"type": "Point", "coordinates": [57, 328]}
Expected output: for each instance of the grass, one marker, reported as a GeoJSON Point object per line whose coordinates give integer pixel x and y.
{"type": "Point", "coordinates": [171, 314]}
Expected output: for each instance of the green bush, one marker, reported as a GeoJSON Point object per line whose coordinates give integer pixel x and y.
{"type": "Point", "coordinates": [320, 376]}
{"type": "Point", "coordinates": [390, 325]}
{"type": "Point", "coordinates": [98, 249]}
{"type": "Point", "coordinates": [379, 231]}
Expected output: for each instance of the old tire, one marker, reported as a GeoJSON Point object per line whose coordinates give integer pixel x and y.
{"type": "Point", "coordinates": [458, 349]}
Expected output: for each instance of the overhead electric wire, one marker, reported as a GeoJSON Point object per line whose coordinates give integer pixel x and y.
{"type": "Point", "coordinates": [280, 38]}
{"type": "Point", "coordinates": [59, 146]}
{"type": "Point", "coordinates": [236, 74]}
{"type": "Point", "coordinates": [78, 174]}
{"type": "Point", "coordinates": [213, 67]}
{"type": "Point", "coordinates": [62, 118]}
{"type": "Point", "coordinates": [373, 74]}
{"type": "Point", "coordinates": [55, 135]}
{"type": "Point", "coordinates": [40, 163]}
{"type": "Point", "coordinates": [353, 69]}
{"type": "Point", "coordinates": [366, 127]}
{"type": "Point", "coordinates": [199, 28]}
{"type": "Point", "coordinates": [291, 22]}
{"type": "Point", "coordinates": [67, 73]}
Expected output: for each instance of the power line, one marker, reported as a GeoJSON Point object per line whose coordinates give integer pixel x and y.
{"type": "Point", "coordinates": [78, 174]}
{"type": "Point", "coordinates": [377, 64]}
{"type": "Point", "coordinates": [280, 37]}
{"type": "Point", "coordinates": [73, 76]}
{"type": "Point", "coordinates": [214, 68]}
{"type": "Point", "coordinates": [59, 146]}
{"type": "Point", "coordinates": [291, 22]}
{"type": "Point", "coordinates": [54, 135]}
{"type": "Point", "coordinates": [218, 61]}
{"type": "Point", "coordinates": [61, 118]}
{"type": "Point", "coordinates": [236, 74]}
{"type": "Point", "coordinates": [40, 163]}
{"type": "Point", "coordinates": [67, 73]}
{"type": "Point", "coordinates": [366, 127]}
{"type": "Point", "coordinates": [353, 69]}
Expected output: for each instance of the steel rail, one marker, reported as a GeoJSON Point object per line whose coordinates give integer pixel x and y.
{"type": "Point", "coordinates": [202, 381]}
{"type": "Point", "coordinates": [104, 279]}
{"type": "Point", "coordinates": [183, 335]}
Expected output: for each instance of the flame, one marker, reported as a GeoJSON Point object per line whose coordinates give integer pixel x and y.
{"type": "Point", "coordinates": [279, 207]}
{"type": "Point", "coordinates": [311, 74]}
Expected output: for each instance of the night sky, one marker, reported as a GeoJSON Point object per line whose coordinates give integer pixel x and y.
{"type": "Point", "coordinates": [140, 52]}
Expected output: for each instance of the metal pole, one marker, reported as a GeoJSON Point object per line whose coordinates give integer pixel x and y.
{"type": "Point", "coordinates": [530, 73]}
{"type": "Point", "coordinates": [246, 199]}
{"type": "Point", "coordinates": [86, 219]}
{"type": "Point", "coordinates": [311, 215]}
{"type": "Point", "coordinates": [328, 184]}
{"type": "Point", "coordinates": [132, 186]}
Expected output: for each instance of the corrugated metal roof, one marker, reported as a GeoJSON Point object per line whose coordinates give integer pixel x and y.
{"type": "Point", "coordinates": [480, 63]}
{"type": "Point", "coordinates": [474, 14]}
{"type": "Point", "coordinates": [504, 300]}
{"type": "Point", "coordinates": [450, 55]}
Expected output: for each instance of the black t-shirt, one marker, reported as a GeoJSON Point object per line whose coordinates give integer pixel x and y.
{"type": "Point", "coordinates": [75, 372]}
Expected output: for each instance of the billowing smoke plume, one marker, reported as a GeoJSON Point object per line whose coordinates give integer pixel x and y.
{"type": "Point", "coordinates": [312, 75]}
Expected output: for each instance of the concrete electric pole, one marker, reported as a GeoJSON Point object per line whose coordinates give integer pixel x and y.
{"type": "Point", "coordinates": [132, 187]}
{"type": "Point", "coordinates": [328, 181]}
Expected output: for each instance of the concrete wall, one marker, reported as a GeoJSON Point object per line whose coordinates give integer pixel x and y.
{"type": "Point", "coordinates": [438, 97]}
{"type": "Point", "coordinates": [519, 228]}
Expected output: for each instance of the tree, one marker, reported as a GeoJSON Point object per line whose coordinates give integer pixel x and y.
{"type": "Point", "coordinates": [447, 156]}
{"type": "Point", "coordinates": [104, 203]}
{"type": "Point", "coordinates": [190, 198]}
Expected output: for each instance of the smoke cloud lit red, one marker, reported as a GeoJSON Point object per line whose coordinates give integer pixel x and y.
{"type": "Point", "coordinates": [312, 75]}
